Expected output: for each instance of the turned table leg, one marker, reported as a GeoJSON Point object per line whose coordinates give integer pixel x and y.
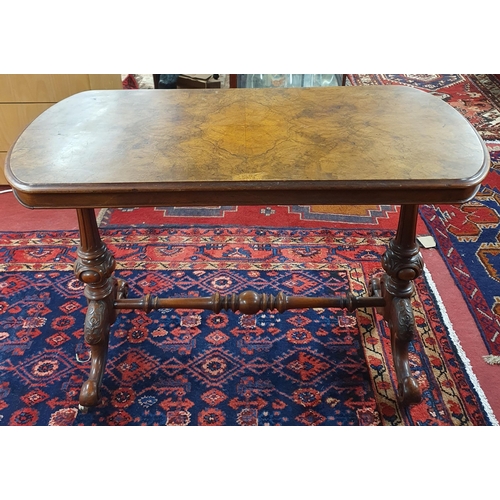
{"type": "Point", "coordinates": [402, 263]}
{"type": "Point", "coordinates": [94, 267]}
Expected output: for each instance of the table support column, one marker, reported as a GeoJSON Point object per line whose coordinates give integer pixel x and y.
{"type": "Point", "coordinates": [402, 263]}
{"type": "Point", "coordinates": [94, 267]}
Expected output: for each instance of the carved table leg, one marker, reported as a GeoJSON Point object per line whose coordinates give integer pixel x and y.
{"type": "Point", "coordinates": [94, 267]}
{"type": "Point", "coordinates": [402, 263]}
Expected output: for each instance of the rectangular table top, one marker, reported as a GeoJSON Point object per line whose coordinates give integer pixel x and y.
{"type": "Point", "coordinates": [335, 145]}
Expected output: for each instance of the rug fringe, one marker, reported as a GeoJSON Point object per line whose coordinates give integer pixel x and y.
{"type": "Point", "coordinates": [491, 359]}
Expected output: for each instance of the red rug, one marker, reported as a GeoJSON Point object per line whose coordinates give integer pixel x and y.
{"type": "Point", "coordinates": [336, 216]}
{"type": "Point", "coordinates": [190, 367]}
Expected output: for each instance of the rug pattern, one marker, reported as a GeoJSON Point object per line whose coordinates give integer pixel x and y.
{"type": "Point", "coordinates": [341, 216]}
{"type": "Point", "coordinates": [468, 238]}
{"type": "Point", "coordinates": [468, 235]}
{"type": "Point", "coordinates": [193, 367]}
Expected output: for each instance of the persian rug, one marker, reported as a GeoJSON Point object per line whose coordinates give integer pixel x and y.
{"type": "Point", "coordinates": [191, 367]}
{"type": "Point", "coordinates": [468, 235]}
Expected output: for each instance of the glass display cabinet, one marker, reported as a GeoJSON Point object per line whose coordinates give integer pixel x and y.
{"type": "Point", "coordinates": [270, 81]}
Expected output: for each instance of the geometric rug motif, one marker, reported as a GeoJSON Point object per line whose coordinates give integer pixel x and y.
{"type": "Point", "coordinates": [362, 216]}
{"type": "Point", "coordinates": [468, 237]}
{"type": "Point", "coordinates": [196, 367]}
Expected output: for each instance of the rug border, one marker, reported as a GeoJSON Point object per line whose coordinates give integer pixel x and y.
{"type": "Point", "coordinates": [457, 346]}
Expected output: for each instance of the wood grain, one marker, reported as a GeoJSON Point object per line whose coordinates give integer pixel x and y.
{"type": "Point", "coordinates": [51, 88]}
{"type": "Point", "coordinates": [24, 97]}
{"type": "Point", "coordinates": [318, 145]}
{"type": "Point", "coordinates": [3, 180]}
{"type": "Point", "coordinates": [14, 118]}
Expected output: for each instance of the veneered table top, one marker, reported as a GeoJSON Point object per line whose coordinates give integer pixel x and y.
{"type": "Point", "coordinates": [353, 145]}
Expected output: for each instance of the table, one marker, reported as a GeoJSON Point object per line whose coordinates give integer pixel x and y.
{"type": "Point", "coordinates": [337, 145]}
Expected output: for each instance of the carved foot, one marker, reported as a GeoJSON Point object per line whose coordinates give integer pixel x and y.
{"type": "Point", "coordinates": [402, 324]}
{"type": "Point", "coordinates": [409, 392]}
{"type": "Point", "coordinates": [399, 316]}
{"type": "Point", "coordinates": [89, 395]}
{"type": "Point", "coordinates": [97, 324]}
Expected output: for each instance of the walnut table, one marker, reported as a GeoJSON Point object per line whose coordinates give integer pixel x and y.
{"type": "Point", "coordinates": [338, 145]}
